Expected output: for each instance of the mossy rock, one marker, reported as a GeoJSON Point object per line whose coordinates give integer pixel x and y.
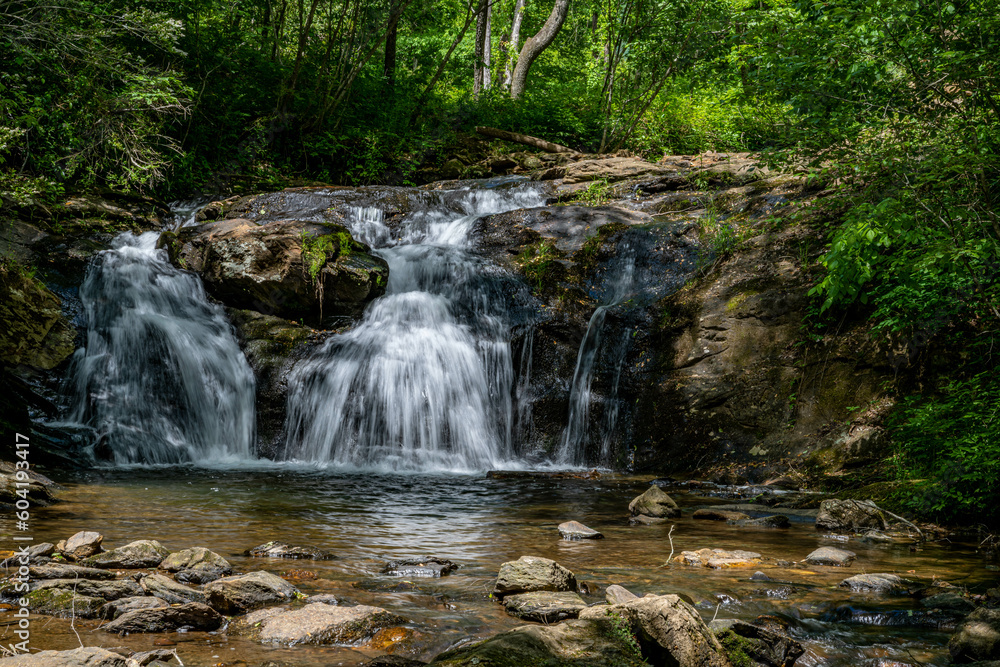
{"type": "Point", "coordinates": [63, 603]}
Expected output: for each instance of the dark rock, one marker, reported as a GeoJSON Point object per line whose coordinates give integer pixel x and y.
{"type": "Point", "coordinates": [111, 589]}
{"type": "Point", "coordinates": [574, 530]}
{"type": "Point", "coordinates": [35, 554]}
{"type": "Point", "coordinates": [242, 593]}
{"type": "Point", "coordinates": [33, 329]}
{"type": "Point", "coordinates": [138, 554]}
{"type": "Point", "coordinates": [116, 608]}
{"type": "Point", "coordinates": [831, 556]}
{"type": "Point", "coordinates": [882, 583]}
{"type": "Point", "coordinates": [977, 638]}
{"type": "Point", "coordinates": [763, 645]}
{"type": "Point", "coordinates": [147, 657]}
{"type": "Point", "coordinates": [90, 656]}
{"type": "Point", "coordinates": [719, 515]}
{"type": "Point", "coordinates": [849, 516]}
{"type": "Point", "coordinates": [196, 566]}
{"type": "Point", "coordinates": [66, 571]}
{"type": "Point", "coordinates": [427, 567]}
{"type": "Point", "coordinates": [315, 623]}
{"type": "Point", "coordinates": [950, 600]}
{"type": "Point", "coordinates": [63, 603]}
{"type": "Point", "coordinates": [82, 545]}
{"type": "Point", "coordinates": [282, 550]}
{"type": "Point", "coordinates": [544, 606]}
{"type": "Point", "coordinates": [773, 521]}
{"type": "Point", "coordinates": [654, 503]}
{"type": "Point", "coordinates": [288, 268]}
{"type": "Point", "coordinates": [393, 661]}
{"type": "Point", "coordinates": [192, 615]}
{"type": "Point", "coordinates": [759, 576]}
{"type": "Point", "coordinates": [531, 573]}
{"type": "Point", "coordinates": [167, 589]}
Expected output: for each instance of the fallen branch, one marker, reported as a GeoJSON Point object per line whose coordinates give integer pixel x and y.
{"type": "Point", "coordinates": [670, 536]}
{"type": "Point", "coordinates": [871, 503]}
{"type": "Point", "coordinates": [525, 139]}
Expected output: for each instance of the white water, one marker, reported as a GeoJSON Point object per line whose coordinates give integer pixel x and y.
{"type": "Point", "coordinates": [424, 381]}
{"type": "Point", "coordinates": [573, 447]}
{"type": "Point", "coordinates": [161, 378]}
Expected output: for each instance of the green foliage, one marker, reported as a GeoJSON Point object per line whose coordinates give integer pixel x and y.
{"type": "Point", "coordinates": [537, 260]}
{"type": "Point", "coordinates": [950, 442]}
{"type": "Point", "coordinates": [317, 249]}
{"type": "Point", "coordinates": [621, 630]}
{"type": "Point", "coordinates": [737, 648]}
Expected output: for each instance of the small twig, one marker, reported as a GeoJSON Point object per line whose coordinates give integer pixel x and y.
{"type": "Point", "coordinates": [716, 614]}
{"type": "Point", "coordinates": [72, 613]}
{"type": "Point", "coordinates": [671, 538]}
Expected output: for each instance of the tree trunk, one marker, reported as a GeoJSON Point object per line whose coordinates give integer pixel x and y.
{"type": "Point", "coordinates": [534, 47]}
{"type": "Point", "coordinates": [389, 63]}
{"type": "Point", "coordinates": [525, 139]}
{"type": "Point", "coordinates": [488, 49]}
{"type": "Point", "coordinates": [515, 40]}
{"type": "Point", "coordinates": [482, 29]}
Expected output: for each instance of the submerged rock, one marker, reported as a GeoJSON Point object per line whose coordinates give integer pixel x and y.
{"type": "Point", "coordinates": [831, 556]}
{"type": "Point", "coordinates": [544, 606]}
{"type": "Point", "coordinates": [289, 268]}
{"type": "Point", "coordinates": [315, 623]}
{"type": "Point", "coordinates": [245, 592]}
{"type": "Point", "coordinates": [654, 503]}
{"type": "Point", "coordinates": [882, 583]}
{"type": "Point", "coordinates": [138, 554]}
{"type": "Point", "coordinates": [82, 545]}
{"type": "Point", "coordinates": [427, 567]}
{"type": "Point", "coordinates": [282, 550]}
{"type": "Point", "coordinates": [977, 638]}
{"type": "Point", "coordinates": [773, 521]}
{"type": "Point", "coordinates": [848, 516]}
{"type": "Point", "coordinates": [949, 601]}
{"type": "Point", "coordinates": [719, 558]}
{"type": "Point", "coordinates": [574, 530]}
{"type": "Point", "coordinates": [192, 615]}
{"type": "Point", "coordinates": [595, 643]}
{"type": "Point", "coordinates": [531, 573]}
{"type": "Point", "coordinates": [719, 515]}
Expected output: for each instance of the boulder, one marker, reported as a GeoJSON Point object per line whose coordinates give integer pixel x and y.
{"type": "Point", "coordinates": [718, 559]}
{"type": "Point", "coordinates": [595, 643]}
{"type": "Point", "coordinates": [110, 589]}
{"type": "Point", "coordinates": [138, 554]}
{"type": "Point", "coordinates": [849, 516]}
{"type": "Point", "coordinates": [82, 545]}
{"type": "Point", "coordinates": [416, 567]}
{"type": "Point", "coordinates": [719, 515]}
{"type": "Point", "coordinates": [63, 603]}
{"type": "Point", "coordinates": [90, 656]}
{"type": "Point", "coordinates": [289, 268]}
{"type": "Point", "coordinates": [574, 530]}
{"type": "Point", "coordinates": [36, 553]}
{"type": "Point", "coordinates": [33, 329]}
{"type": "Point", "coordinates": [668, 629]}
{"type": "Point", "coordinates": [245, 592]}
{"type": "Point", "coordinates": [197, 565]}
{"type": "Point", "coordinates": [654, 503]}
{"type": "Point", "coordinates": [167, 589]}
{"type": "Point", "coordinates": [544, 606]}
{"type": "Point", "coordinates": [831, 556]}
{"type": "Point", "coordinates": [773, 521]}
{"type": "Point", "coordinates": [116, 608]}
{"type": "Point", "coordinates": [616, 594]}
{"type": "Point", "coordinates": [66, 571]}
{"type": "Point", "coordinates": [977, 638]}
{"type": "Point", "coordinates": [881, 583]}
{"type": "Point", "coordinates": [764, 646]}
{"type": "Point", "coordinates": [315, 623]}
{"type": "Point", "coordinates": [282, 550]}
{"type": "Point", "coordinates": [531, 573]}
{"type": "Point", "coordinates": [192, 615]}
{"type": "Point", "coordinates": [949, 601]}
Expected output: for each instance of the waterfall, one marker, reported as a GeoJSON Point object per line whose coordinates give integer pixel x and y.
{"type": "Point", "coordinates": [424, 380]}
{"type": "Point", "coordinates": [572, 448]}
{"type": "Point", "coordinates": [161, 378]}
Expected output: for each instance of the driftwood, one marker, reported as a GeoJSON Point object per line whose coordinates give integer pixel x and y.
{"type": "Point", "coordinates": [534, 142]}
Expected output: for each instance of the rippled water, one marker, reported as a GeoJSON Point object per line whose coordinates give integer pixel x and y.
{"type": "Point", "coordinates": [368, 518]}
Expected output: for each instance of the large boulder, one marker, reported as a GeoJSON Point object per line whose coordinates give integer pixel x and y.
{"type": "Point", "coordinates": [165, 619]}
{"type": "Point", "coordinates": [289, 268]}
{"type": "Point", "coordinates": [596, 642]}
{"type": "Point", "coordinates": [849, 516]}
{"type": "Point", "coordinates": [532, 573]}
{"type": "Point", "coordinates": [245, 592]}
{"type": "Point", "coordinates": [315, 623]}
{"type": "Point", "coordinates": [90, 656]}
{"type": "Point", "coordinates": [764, 646]}
{"type": "Point", "coordinates": [141, 553]}
{"type": "Point", "coordinates": [668, 629]}
{"type": "Point", "coordinates": [654, 503]}
{"type": "Point", "coordinates": [197, 565]}
{"type": "Point", "coordinates": [977, 638]}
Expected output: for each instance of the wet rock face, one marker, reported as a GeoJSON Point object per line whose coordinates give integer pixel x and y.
{"type": "Point", "coordinates": [977, 638]}
{"type": "Point", "coordinates": [315, 623]}
{"type": "Point", "coordinates": [289, 268]}
{"type": "Point", "coordinates": [246, 592]}
{"type": "Point", "coordinates": [33, 329]}
{"type": "Point", "coordinates": [848, 516]}
{"type": "Point", "coordinates": [531, 573]}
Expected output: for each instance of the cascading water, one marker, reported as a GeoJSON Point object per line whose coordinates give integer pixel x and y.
{"type": "Point", "coordinates": [161, 378]}
{"type": "Point", "coordinates": [424, 381]}
{"type": "Point", "coordinates": [572, 448]}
